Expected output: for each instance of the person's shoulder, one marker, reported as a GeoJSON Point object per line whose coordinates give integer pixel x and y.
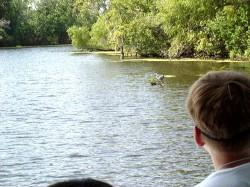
{"type": "Point", "coordinates": [238, 176]}
{"type": "Point", "coordinates": [209, 181]}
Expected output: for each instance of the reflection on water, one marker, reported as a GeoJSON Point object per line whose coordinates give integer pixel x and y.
{"type": "Point", "coordinates": [67, 116]}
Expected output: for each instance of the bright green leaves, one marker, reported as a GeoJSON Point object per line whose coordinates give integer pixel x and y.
{"type": "Point", "coordinates": [232, 26]}
{"type": "Point", "coordinates": [133, 25]}
{"type": "Point", "coordinates": [88, 11]}
{"type": "Point", "coordinates": [125, 24]}
{"type": "Point", "coordinates": [100, 34]}
{"type": "Point", "coordinates": [168, 28]}
{"type": "Point", "coordinates": [90, 24]}
{"type": "Point", "coordinates": [80, 37]}
{"type": "Point", "coordinates": [212, 28]}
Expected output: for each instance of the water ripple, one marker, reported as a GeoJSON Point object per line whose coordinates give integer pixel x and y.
{"type": "Point", "coordinates": [67, 116]}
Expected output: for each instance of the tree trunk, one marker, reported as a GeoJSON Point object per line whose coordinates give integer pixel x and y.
{"type": "Point", "coordinates": [122, 52]}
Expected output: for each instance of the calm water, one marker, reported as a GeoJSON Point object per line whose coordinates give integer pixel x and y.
{"type": "Point", "coordinates": [65, 116]}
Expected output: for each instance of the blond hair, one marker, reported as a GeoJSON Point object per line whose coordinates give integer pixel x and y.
{"type": "Point", "coordinates": [219, 104]}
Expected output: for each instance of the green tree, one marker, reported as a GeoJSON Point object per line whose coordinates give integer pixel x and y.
{"type": "Point", "coordinates": [53, 18]}
{"type": "Point", "coordinates": [100, 34]}
{"type": "Point", "coordinates": [39, 22]}
{"type": "Point", "coordinates": [132, 27]}
{"type": "Point", "coordinates": [145, 35]}
{"type": "Point", "coordinates": [4, 6]}
{"type": "Point", "coordinates": [3, 25]}
{"type": "Point", "coordinates": [80, 37]}
{"type": "Point", "coordinates": [191, 25]}
{"type": "Point", "coordinates": [88, 11]}
{"type": "Point", "coordinates": [181, 20]}
{"type": "Point", "coordinates": [232, 25]}
{"type": "Point", "coordinates": [17, 8]}
{"type": "Point", "coordinates": [227, 31]}
{"type": "Point", "coordinates": [173, 28]}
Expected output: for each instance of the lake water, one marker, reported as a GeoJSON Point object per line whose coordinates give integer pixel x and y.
{"type": "Point", "coordinates": [65, 116]}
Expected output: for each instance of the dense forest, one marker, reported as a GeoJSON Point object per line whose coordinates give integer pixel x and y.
{"type": "Point", "coordinates": [162, 28]}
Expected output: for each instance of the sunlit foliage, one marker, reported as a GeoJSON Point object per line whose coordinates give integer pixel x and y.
{"type": "Point", "coordinates": [80, 36]}
{"type": "Point", "coordinates": [164, 28]}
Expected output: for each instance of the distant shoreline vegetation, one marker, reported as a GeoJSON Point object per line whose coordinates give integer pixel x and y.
{"type": "Point", "coordinates": [33, 46]}
{"type": "Point", "coordinates": [132, 58]}
{"type": "Point", "coordinates": [129, 57]}
{"type": "Point", "coordinates": [171, 29]}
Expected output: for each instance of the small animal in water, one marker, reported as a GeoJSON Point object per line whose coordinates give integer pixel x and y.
{"type": "Point", "coordinates": [160, 79]}
{"type": "Point", "coordinates": [157, 80]}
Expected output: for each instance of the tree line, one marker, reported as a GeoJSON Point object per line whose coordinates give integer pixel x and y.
{"type": "Point", "coordinates": [159, 28]}
{"type": "Point", "coordinates": [35, 22]}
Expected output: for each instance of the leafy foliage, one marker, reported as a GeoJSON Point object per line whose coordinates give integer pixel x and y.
{"type": "Point", "coordinates": [165, 28]}
{"type": "Point", "coordinates": [3, 25]}
{"type": "Point", "coordinates": [38, 22]}
{"type": "Point", "coordinates": [80, 36]}
{"type": "Point", "coordinates": [100, 34]}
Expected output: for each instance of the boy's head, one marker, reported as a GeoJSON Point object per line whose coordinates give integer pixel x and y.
{"type": "Point", "coordinates": [81, 183]}
{"type": "Point", "coordinates": [219, 104]}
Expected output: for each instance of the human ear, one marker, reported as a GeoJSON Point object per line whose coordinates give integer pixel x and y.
{"type": "Point", "coordinates": [197, 136]}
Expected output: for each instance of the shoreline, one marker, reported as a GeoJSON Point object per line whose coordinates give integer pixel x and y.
{"type": "Point", "coordinates": [34, 46]}
{"type": "Point", "coordinates": [131, 58]}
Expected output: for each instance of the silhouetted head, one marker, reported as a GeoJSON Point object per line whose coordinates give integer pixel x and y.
{"type": "Point", "coordinates": [81, 183]}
